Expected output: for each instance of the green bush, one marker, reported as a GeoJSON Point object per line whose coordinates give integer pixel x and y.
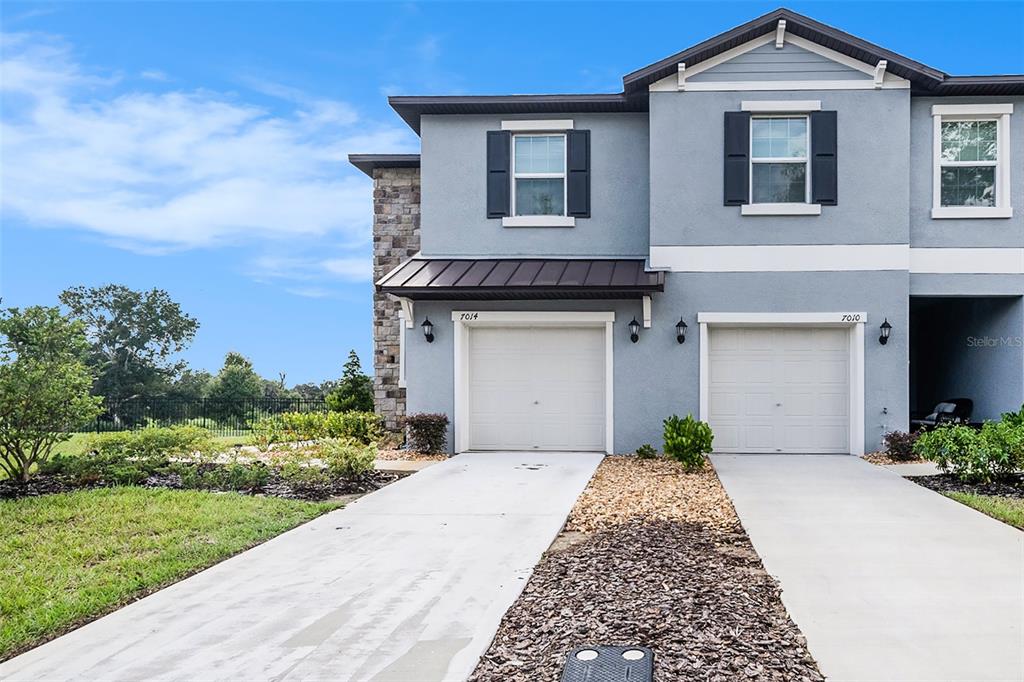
{"type": "Point", "coordinates": [974, 456]}
{"type": "Point", "coordinates": [899, 445]}
{"type": "Point", "coordinates": [428, 433]}
{"type": "Point", "coordinates": [298, 469]}
{"type": "Point", "coordinates": [1014, 418]}
{"type": "Point", "coordinates": [213, 474]}
{"type": "Point", "coordinates": [290, 427]}
{"type": "Point", "coordinates": [687, 441]}
{"type": "Point", "coordinates": [130, 457]}
{"type": "Point", "coordinates": [646, 451]}
{"type": "Point", "coordinates": [347, 458]}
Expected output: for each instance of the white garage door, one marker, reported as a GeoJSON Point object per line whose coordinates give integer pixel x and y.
{"type": "Point", "coordinates": [537, 388]}
{"type": "Point", "coordinates": [779, 390]}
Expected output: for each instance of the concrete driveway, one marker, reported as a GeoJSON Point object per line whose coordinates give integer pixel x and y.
{"type": "Point", "coordinates": [888, 580]}
{"type": "Point", "coordinates": [407, 584]}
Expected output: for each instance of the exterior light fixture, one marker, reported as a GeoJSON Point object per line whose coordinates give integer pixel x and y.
{"type": "Point", "coordinates": [634, 331]}
{"type": "Point", "coordinates": [680, 331]}
{"type": "Point", "coordinates": [885, 328]}
{"type": "Point", "coordinates": [428, 330]}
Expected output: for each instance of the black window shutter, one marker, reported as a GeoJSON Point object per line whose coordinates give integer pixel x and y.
{"type": "Point", "coordinates": [499, 182]}
{"type": "Point", "coordinates": [737, 158]}
{"type": "Point", "coordinates": [824, 168]}
{"type": "Point", "coordinates": [577, 173]}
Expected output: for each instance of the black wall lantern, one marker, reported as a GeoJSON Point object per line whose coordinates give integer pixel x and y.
{"type": "Point", "coordinates": [885, 329]}
{"type": "Point", "coordinates": [634, 331]}
{"type": "Point", "coordinates": [428, 330]}
{"type": "Point", "coordinates": [680, 331]}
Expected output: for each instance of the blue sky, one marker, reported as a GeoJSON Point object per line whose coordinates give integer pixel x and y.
{"type": "Point", "coordinates": [200, 148]}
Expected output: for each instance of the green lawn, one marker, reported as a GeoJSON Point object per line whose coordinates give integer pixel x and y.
{"type": "Point", "coordinates": [66, 559]}
{"type": "Point", "coordinates": [1007, 509]}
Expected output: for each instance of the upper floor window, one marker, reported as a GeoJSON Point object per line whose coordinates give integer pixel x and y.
{"type": "Point", "coordinates": [779, 172]}
{"type": "Point", "coordinates": [971, 174]}
{"type": "Point", "coordinates": [538, 173]}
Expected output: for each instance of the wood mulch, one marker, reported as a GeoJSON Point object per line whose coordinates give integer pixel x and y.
{"type": "Point", "coordinates": [663, 562]}
{"type": "Point", "coordinates": [948, 483]}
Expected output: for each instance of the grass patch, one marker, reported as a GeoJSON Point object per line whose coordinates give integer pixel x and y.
{"type": "Point", "coordinates": [66, 559]}
{"type": "Point", "coordinates": [1007, 509]}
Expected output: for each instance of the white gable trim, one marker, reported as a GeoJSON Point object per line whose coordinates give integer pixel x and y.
{"type": "Point", "coordinates": [780, 34]}
{"type": "Point", "coordinates": [889, 81]}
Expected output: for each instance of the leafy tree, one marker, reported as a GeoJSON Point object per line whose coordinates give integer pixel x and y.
{"type": "Point", "coordinates": [277, 390]}
{"type": "Point", "coordinates": [354, 391]}
{"type": "Point", "coordinates": [235, 385]}
{"type": "Point", "coordinates": [314, 391]}
{"type": "Point", "coordinates": [191, 385]}
{"type": "Point", "coordinates": [44, 386]}
{"type": "Point", "coordinates": [133, 335]}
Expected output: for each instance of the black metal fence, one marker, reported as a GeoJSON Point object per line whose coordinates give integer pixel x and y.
{"type": "Point", "coordinates": [222, 417]}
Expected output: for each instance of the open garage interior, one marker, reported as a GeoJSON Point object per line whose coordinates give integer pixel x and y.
{"type": "Point", "coordinates": [967, 347]}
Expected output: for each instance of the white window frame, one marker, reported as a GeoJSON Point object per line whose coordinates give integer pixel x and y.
{"type": "Point", "coordinates": [516, 176]}
{"type": "Point", "coordinates": [804, 207]}
{"type": "Point", "coordinates": [947, 113]}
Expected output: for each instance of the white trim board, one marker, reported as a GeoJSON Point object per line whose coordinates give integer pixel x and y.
{"type": "Point", "coordinates": [463, 320]}
{"type": "Point", "coordinates": [854, 320]}
{"type": "Point", "coordinates": [838, 258]}
{"type": "Point", "coordinates": [538, 124]}
{"type": "Point", "coordinates": [999, 261]}
{"type": "Point", "coordinates": [780, 258]}
{"type": "Point", "coordinates": [768, 106]}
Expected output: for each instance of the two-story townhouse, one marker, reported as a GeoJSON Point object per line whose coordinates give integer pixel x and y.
{"type": "Point", "coordinates": [796, 235]}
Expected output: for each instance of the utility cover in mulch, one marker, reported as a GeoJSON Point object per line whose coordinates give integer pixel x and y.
{"type": "Point", "coordinates": [42, 484]}
{"type": "Point", "coordinates": [948, 483]}
{"type": "Point", "coordinates": [699, 598]}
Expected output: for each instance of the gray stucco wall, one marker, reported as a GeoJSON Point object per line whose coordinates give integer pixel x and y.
{"type": "Point", "coordinates": [968, 348]}
{"type": "Point", "coordinates": [687, 168]}
{"type": "Point", "coordinates": [991, 232]}
{"type": "Point", "coordinates": [657, 376]}
{"type": "Point", "coordinates": [768, 63]}
{"type": "Point", "coordinates": [455, 222]}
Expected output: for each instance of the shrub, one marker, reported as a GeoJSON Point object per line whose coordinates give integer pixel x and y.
{"type": "Point", "coordinates": [646, 451]}
{"type": "Point", "coordinates": [130, 457]}
{"type": "Point", "coordinates": [974, 456]}
{"type": "Point", "coordinates": [687, 441]}
{"type": "Point", "coordinates": [231, 475]}
{"type": "Point", "coordinates": [427, 433]}
{"type": "Point", "coordinates": [347, 458]}
{"type": "Point", "coordinates": [364, 427]}
{"type": "Point", "coordinates": [1014, 418]}
{"type": "Point", "coordinates": [300, 471]}
{"type": "Point", "coordinates": [899, 445]}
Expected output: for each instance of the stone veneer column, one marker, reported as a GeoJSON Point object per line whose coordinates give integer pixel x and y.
{"type": "Point", "coordinates": [396, 237]}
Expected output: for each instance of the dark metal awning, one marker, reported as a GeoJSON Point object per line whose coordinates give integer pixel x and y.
{"type": "Point", "coordinates": [441, 279]}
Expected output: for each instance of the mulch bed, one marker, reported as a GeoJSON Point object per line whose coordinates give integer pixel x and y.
{"type": "Point", "coordinates": [663, 563]}
{"type": "Point", "coordinates": [275, 486]}
{"type": "Point", "coordinates": [947, 483]}
{"type": "Point", "coordinates": [884, 459]}
{"type": "Point", "coordinates": [408, 455]}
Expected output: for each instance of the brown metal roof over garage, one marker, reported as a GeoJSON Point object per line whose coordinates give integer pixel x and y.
{"type": "Point", "coordinates": [520, 278]}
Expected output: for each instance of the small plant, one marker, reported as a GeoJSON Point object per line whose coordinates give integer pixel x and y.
{"type": "Point", "coordinates": [347, 458]}
{"type": "Point", "coordinates": [687, 441]}
{"type": "Point", "coordinates": [646, 451]}
{"type": "Point", "coordinates": [207, 473]}
{"type": "Point", "coordinates": [300, 471]}
{"type": "Point", "coordinates": [899, 445]}
{"type": "Point", "coordinates": [267, 431]}
{"type": "Point", "coordinates": [1014, 418]}
{"type": "Point", "coordinates": [974, 456]}
{"type": "Point", "coordinates": [427, 433]}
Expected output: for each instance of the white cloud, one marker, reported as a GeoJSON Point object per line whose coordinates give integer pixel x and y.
{"type": "Point", "coordinates": [179, 168]}
{"type": "Point", "coordinates": [349, 269]}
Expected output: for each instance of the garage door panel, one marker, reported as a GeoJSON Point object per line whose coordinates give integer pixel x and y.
{"type": "Point", "coordinates": [537, 388]}
{"type": "Point", "coordinates": [779, 389]}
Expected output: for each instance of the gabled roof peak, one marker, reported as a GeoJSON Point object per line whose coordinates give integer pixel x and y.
{"type": "Point", "coordinates": [920, 75]}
